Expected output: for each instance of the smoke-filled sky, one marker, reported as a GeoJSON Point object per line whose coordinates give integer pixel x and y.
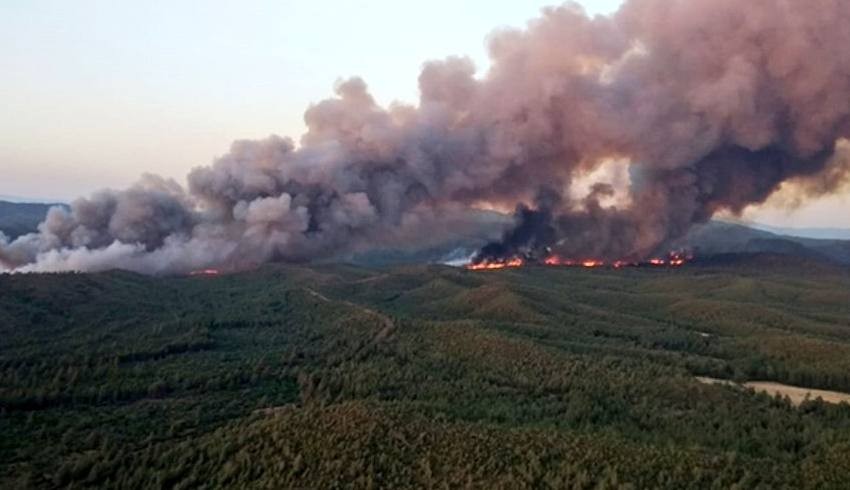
{"type": "Point", "coordinates": [608, 135]}
{"type": "Point", "coordinates": [97, 92]}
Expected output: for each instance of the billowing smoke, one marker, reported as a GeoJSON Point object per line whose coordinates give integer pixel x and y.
{"type": "Point", "coordinates": [711, 104]}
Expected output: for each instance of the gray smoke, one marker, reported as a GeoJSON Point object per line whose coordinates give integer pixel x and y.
{"type": "Point", "coordinates": [712, 105]}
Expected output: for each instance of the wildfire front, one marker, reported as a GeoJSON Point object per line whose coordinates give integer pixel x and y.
{"type": "Point", "coordinates": [673, 259]}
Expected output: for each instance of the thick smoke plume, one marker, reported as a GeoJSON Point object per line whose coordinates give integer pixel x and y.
{"type": "Point", "coordinates": [711, 104]}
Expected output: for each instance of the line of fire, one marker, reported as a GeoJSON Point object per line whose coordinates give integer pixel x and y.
{"type": "Point", "coordinates": [673, 259]}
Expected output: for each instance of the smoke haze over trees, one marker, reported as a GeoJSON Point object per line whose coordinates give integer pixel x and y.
{"type": "Point", "coordinates": [667, 111]}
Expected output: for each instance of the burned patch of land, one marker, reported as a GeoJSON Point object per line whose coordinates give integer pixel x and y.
{"type": "Point", "coordinates": [795, 394]}
{"type": "Point", "coordinates": [422, 376]}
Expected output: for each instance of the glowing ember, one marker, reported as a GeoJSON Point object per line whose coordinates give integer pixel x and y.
{"type": "Point", "coordinates": [678, 259]}
{"type": "Point", "coordinates": [619, 264]}
{"type": "Point", "coordinates": [205, 272]}
{"type": "Point", "coordinates": [555, 260]}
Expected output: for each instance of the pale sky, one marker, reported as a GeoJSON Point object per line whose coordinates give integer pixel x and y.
{"type": "Point", "coordinates": [96, 92]}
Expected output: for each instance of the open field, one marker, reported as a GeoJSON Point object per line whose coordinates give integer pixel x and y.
{"type": "Point", "coordinates": [796, 394]}
{"type": "Point", "coordinates": [339, 376]}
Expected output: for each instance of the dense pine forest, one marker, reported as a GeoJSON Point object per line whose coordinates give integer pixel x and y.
{"type": "Point", "coordinates": [335, 376]}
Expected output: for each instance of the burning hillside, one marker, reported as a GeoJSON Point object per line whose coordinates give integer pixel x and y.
{"type": "Point", "coordinates": [611, 136]}
{"type": "Point", "coordinates": [674, 259]}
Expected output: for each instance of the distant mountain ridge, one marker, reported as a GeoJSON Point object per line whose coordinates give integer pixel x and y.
{"type": "Point", "coordinates": [20, 218]}
{"type": "Point", "coordinates": [713, 238]}
{"type": "Point", "coordinates": [719, 237]}
{"type": "Point", "coordinates": [29, 200]}
{"type": "Point", "coordinates": [816, 233]}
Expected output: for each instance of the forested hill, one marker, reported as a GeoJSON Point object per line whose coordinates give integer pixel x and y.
{"type": "Point", "coordinates": [338, 376]}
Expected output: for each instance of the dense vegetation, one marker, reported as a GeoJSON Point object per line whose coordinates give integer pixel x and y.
{"type": "Point", "coordinates": [338, 376]}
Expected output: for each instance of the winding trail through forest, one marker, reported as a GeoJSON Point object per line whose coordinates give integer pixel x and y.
{"type": "Point", "coordinates": [386, 321]}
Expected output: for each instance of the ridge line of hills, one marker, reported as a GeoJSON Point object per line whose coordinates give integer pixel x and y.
{"type": "Point", "coordinates": [713, 238]}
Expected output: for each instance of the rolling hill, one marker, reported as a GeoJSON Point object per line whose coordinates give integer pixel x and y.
{"type": "Point", "coordinates": [336, 376]}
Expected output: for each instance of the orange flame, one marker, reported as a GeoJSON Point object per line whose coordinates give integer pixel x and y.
{"type": "Point", "coordinates": [205, 272]}
{"type": "Point", "coordinates": [501, 264]}
{"type": "Point", "coordinates": [675, 259]}
{"type": "Point", "coordinates": [555, 260]}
